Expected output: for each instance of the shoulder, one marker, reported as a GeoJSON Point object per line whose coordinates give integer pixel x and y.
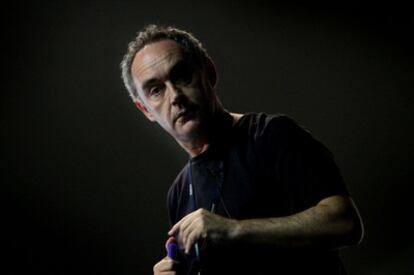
{"type": "Point", "coordinates": [262, 125]}
{"type": "Point", "coordinates": [278, 134]}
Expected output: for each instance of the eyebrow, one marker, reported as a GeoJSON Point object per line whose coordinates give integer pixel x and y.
{"type": "Point", "coordinates": [152, 81]}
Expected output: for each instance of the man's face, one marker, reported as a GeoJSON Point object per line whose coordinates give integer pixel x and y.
{"type": "Point", "coordinates": [172, 88]}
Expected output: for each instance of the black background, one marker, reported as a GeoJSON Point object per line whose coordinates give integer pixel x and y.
{"type": "Point", "coordinates": [84, 174]}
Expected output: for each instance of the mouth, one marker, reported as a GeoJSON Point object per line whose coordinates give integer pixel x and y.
{"type": "Point", "coordinates": [186, 114]}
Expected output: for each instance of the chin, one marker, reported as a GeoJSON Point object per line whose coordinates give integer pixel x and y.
{"type": "Point", "coordinates": [188, 130]}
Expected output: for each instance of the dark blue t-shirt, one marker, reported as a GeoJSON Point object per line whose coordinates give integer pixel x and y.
{"type": "Point", "coordinates": [261, 166]}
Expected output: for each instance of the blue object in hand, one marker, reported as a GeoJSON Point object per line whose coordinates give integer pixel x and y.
{"type": "Point", "coordinates": [172, 250]}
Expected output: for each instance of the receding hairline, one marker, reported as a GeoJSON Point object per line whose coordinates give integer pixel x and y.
{"type": "Point", "coordinates": [151, 34]}
{"type": "Point", "coordinates": [165, 40]}
{"type": "Point", "coordinates": [169, 52]}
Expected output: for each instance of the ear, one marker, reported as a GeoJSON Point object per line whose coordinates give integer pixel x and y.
{"type": "Point", "coordinates": [144, 110]}
{"type": "Point", "coordinates": [211, 72]}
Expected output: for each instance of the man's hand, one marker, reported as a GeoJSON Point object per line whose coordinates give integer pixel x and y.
{"type": "Point", "coordinates": [202, 224]}
{"type": "Point", "coordinates": [166, 266]}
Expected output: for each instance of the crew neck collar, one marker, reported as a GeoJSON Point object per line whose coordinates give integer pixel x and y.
{"type": "Point", "coordinates": [220, 138]}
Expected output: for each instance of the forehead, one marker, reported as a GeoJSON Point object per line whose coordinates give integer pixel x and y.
{"type": "Point", "coordinates": [153, 58]}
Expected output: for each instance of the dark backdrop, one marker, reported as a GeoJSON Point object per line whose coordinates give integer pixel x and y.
{"type": "Point", "coordinates": [84, 174]}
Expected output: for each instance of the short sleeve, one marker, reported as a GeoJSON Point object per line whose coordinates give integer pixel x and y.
{"type": "Point", "coordinates": [301, 162]}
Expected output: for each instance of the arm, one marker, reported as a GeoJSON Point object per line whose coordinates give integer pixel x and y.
{"type": "Point", "coordinates": [333, 223]}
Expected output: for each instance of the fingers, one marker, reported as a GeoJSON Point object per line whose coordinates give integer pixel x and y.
{"type": "Point", "coordinates": [174, 230]}
{"type": "Point", "coordinates": [189, 225]}
{"type": "Point", "coordinates": [191, 240]}
{"type": "Point", "coordinates": [190, 229]}
{"type": "Point", "coordinates": [165, 267]}
{"type": "Point", "coordinates": [176, 227]}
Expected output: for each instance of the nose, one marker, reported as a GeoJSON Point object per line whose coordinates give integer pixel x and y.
{"type": "Point", "coordinates": [177, 97]}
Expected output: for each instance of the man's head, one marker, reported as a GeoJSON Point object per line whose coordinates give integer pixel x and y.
{"type": "Point", "coordinates": [171, 79]}
{"type": "Point", "coordinates": [154, 33]}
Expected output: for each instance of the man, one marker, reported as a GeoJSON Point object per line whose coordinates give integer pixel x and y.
{"type": "Point", "coordinates": [259, 194]}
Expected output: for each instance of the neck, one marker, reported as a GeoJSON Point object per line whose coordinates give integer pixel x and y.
{"type": "Point", "coordinates": [195, 148]}
{"type": "Point", "coordinates": [200, 144]}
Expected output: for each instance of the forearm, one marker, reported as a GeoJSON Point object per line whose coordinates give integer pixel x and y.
{"type": "Point", "coordinates": [322, 226]}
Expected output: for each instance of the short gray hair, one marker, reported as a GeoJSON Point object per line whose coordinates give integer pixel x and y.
{"type": "Point", "coordinates": [154, 33]}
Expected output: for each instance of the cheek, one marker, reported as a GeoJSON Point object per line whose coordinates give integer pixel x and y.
{"type": "Point", "coordinates": [193, 94]}
{"type": "Point", "coordinates": [163, 111]}
{"type": "Point", "coordinates": [155, 106]}
{"type": "Point", "coordinates": [196, 92]}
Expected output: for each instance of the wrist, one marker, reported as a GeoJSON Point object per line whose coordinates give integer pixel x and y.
{"type": "Point", "coordinates": [235, 231]}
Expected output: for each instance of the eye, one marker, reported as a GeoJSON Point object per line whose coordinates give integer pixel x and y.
{"type": "Point", "coordinates": [155, 91]}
